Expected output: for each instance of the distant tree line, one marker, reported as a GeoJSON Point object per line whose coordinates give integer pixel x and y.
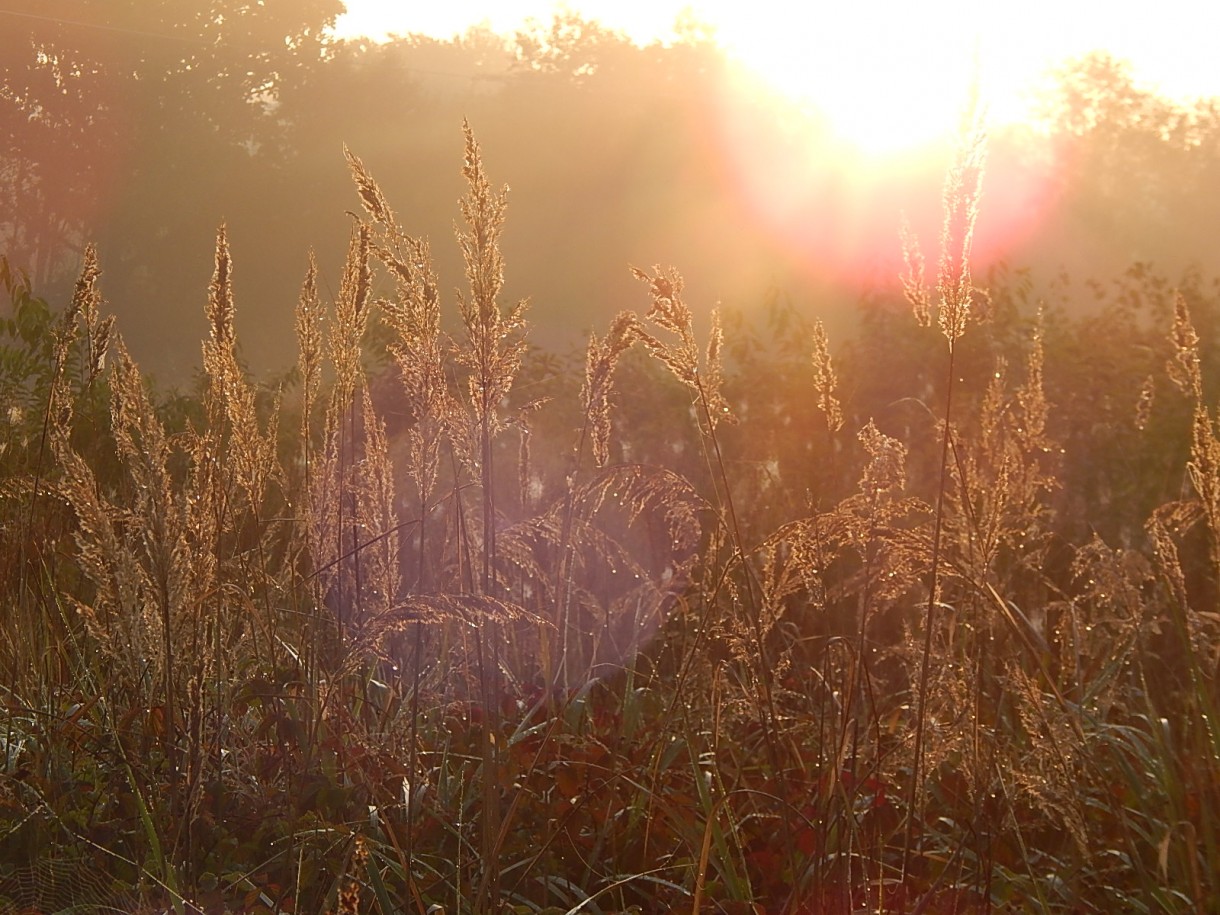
{"type": "Point", "coordinates": [143, 126]}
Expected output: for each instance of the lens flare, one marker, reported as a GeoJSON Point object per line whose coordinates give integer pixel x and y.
{"type": "Point", "coordinates": [837, 210]}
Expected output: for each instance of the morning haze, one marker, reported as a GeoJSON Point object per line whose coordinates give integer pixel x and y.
{"type": "Point", "coordinates": [615, 155]}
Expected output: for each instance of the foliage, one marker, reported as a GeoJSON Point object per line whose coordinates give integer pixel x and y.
{"type": "Point", "coordinates": [738, 621]}
{"type": "Point", "coordinates": [136, 85]}
{"type": "Point", "coordinates": [647, 151]}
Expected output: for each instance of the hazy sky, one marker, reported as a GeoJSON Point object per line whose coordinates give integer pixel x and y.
{"type": "Point", "coordinates": [837, 51]}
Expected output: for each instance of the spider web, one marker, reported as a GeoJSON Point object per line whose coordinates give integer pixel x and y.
{"type": "Point", "coordinates": [60, 886]}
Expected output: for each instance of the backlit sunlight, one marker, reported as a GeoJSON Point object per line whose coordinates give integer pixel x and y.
{"type": "Point", "coordinates": [880, 86]}
{"type": "Point", "coordinates": [885, 79]}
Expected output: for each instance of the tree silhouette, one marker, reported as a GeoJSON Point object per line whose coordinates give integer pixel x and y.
{"type": "Point", "coordinates": [99, 98]}
{"type": "Point", "coordinates": [1137, 170]}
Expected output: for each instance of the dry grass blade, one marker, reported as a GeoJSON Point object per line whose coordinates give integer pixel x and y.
{"type": "Point", "coordinates": [601, 358]}
{"type": "Point", "coordinates": [1183, 368]}
{"type": "Point", "coordinates": [824, 379]}
{"type": "Point", "coordinates": [220, 297]}
{"type": "Point", "coordinates": [914, 283]}
{"type": "Point", "coordinates": [955, 287]}
{"type": "Point", "coordinates": [351, 317]}
{"type": "Point", "coordinates": [87, 302]}
{"type": "Point", "coordinates": [309, 318]}
{"type": "Point", "coordinates": [233, 422]}
{"type": "Point", "coordinates": [370, 194]}
{"type": "Point", "coordinates": [373, 486]}
{"type": "Point", "coordinates": [681, 355]}
{"type": "Point", "coordinates": [353, 521]}
{"type": "Point", "coordinates": [963, 190]}
{"type": "Point", "coordinates": [671, 313]}
{"type": "Point", "coordinates": [494, 336]}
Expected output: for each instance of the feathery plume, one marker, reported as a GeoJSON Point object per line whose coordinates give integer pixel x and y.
{"type": "Point", "coordinates": [824, 379]}
{"type": "Point", "coordinates": [963, 190]}
{"type": "Point", "coordinates": [601, 359]}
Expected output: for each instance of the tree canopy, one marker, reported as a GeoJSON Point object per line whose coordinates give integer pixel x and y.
{"type": "Point", "coordinates": [142, 126]}
{"type": "Point", "coordinates": [99, 100]}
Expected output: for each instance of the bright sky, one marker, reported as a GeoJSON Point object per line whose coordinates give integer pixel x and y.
{"type": "Point", "coordinates": [900, 64]}
{"type": "Point", "coordinates": [890, 80]}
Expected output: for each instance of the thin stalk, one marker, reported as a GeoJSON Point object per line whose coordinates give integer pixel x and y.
{"type": "Point", "coordinates": [933, 586]}
{"type": "Point", "coordinates": [767, 707]}
{"type": "Point", "coordinates": [489, 660]}
{"type": "Point", "coordinates": [416, 676]}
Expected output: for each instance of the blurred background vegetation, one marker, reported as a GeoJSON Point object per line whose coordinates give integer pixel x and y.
{"type": "Point", "coordinates": [141, 127]}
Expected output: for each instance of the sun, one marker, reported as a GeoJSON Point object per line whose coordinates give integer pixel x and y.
{"type": "Point", "coordinates": [841, 123]}
{"type": "Point", "coordinates": [883, 80]}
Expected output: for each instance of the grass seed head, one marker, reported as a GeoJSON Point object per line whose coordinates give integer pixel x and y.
{"type": "Point", "coordinates": [824, 379]}
{"type": "Point", "coordinates": [962, 193]}
{"type": "Point", "coordinates": [1183, 368]}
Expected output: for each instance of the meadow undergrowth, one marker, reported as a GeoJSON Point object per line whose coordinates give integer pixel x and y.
{"type": "Point", "coordinates": [710, 629]}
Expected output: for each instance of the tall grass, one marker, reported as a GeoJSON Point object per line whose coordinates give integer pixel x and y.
{"type": "Point", "coordinates": [400, 635]}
